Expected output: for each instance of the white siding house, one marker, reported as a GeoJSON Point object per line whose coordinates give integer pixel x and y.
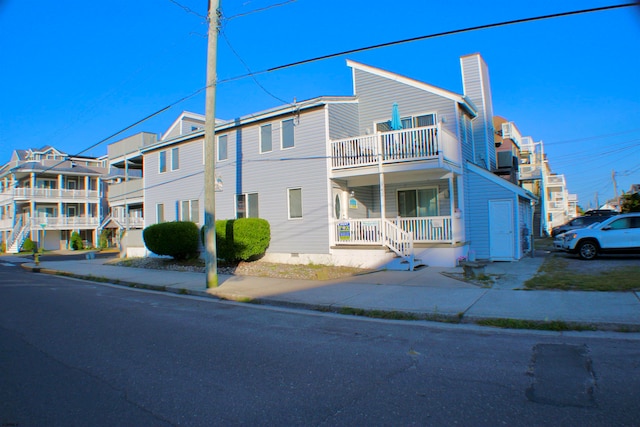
{"type": "Point", "coordinates": [396, 175]}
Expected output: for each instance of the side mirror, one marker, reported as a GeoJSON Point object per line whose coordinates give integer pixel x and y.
{"type": "Point", "coordinates": [607, 228]}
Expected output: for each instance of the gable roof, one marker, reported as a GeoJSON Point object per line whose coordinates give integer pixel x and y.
{"type": "Point", "coordinates": [462, 100]}
{"type": "Point", "coordinates": [177, 122]}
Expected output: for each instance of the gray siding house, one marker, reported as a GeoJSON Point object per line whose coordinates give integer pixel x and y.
{"type": "Point", "coordinates": [396, 175]}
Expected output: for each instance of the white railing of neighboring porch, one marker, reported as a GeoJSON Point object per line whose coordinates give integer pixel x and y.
{"type": "Point", "coordinates": [65, 221]}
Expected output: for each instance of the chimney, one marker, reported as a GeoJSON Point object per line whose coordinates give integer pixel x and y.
{"type": "Point", "coordinates": [476, 87]}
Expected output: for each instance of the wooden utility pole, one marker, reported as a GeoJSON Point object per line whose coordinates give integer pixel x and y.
{"type": "Point", "coordinates": [210, 148]}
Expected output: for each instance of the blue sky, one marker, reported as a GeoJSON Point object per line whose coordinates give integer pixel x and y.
{"type": "Point", "coordinates": [72, 73]}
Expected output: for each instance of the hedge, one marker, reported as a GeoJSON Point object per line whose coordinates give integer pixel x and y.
{"type": "Point", "coordinates": [242, 239]}
{"type": "Point", "coordinates": [178, 239]}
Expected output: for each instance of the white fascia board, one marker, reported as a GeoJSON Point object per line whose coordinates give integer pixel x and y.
{"type": "Point", "coordinates": [184, 114]}
{"type": "Point", "coordinates": [500, 181]}
{"type": "Point", "coordinates": [414, 83]}
{"type": "Point", "coordinates": [182, 138]}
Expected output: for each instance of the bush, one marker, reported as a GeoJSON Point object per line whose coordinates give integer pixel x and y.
{"type": "Point", "coordinates": [242, 239]}
{"type": "Point", "coordinates": [29, 245]}
{"type": "Point", "coordinates": [76, 241]}
{"type": "Point", "coordinates": [178, 240]}
{"type": "Point", "coordinates": [104, 239]}
{"type": "Point", "coordinates": [3, 249]}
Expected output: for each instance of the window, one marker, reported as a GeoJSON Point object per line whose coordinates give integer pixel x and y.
{"type": "Point", "coordinates": [190, 210]}
{"type": "Point", "coordinates": [159, 213]}
{"type": "Point", "coordinates": [163, 161]}
{"type": "Point", "coordinates": [409, 122]}
{"type": "Point", "coordinates": [247, 206]}
{"type": "Point", "coordinates": [295, 203]}
{"type": "Point", "coordinates": [418, 203]}
{"type": "Point", "coordinates": [175, 159]}
{"type": "Point", "coordinates": [222, 147]}
{"type": "Point", "coordinates": [265, 139]}
{"type": "Point", "coordinates": [287, 134]}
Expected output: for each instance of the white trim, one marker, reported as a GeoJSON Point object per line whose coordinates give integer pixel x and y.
{"type": "Point", "coordinates": [289, 204]}
{"type": "Point", "coordinates": [218, 159]}
{"type": "Point", "coordinates": [282, 147]}
{"type": "Point", "coordinates": [178, 122]}
{"type": "Point", "coordinates": [260, 138]}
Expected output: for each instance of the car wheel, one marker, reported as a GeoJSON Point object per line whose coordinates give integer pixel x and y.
{"type": "Point", "coordinates": [588, 250]}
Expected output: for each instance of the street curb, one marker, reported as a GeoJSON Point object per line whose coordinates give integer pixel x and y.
{"type": "Point", "coordinates": [459, 318]}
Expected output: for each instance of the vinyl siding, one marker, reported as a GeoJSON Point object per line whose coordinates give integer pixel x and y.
{"type": "Point", "coordinates": [172, 187]}
{"type": "Point", "coordinates": [479, 191]}
{"type": "Point", "coordinates": [271, 174]}
{"type": "Point", "coordinates": [376, 96]}
{"type": "Point", "coordinates": [343, 120]}
{"type": "Point", "coordinates": [477, 87]}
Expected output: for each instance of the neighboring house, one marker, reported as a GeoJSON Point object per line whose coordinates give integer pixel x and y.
{"type": "Point", "coordinates": [507, 140]}
{"type": "Point", "coordinates": [399, 174]}
{"type": "Point", "coordinates": [46, 195]}
{"type": "Point", "coordinates": [125, 194]}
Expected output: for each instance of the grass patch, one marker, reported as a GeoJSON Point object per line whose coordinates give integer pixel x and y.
{"type": "Point", "coordinates": [553, 325]}
{"type": "Point", "coordinates": [555, 274]}
{"type": "Point", "coordinates": [378, 314]}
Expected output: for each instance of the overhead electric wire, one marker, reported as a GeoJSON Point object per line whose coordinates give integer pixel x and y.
{"type": "Point", "coordinates": [430, 36]}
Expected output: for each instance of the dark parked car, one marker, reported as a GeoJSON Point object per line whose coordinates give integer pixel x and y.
{"type": "Point", "coordinates": [590, 217]}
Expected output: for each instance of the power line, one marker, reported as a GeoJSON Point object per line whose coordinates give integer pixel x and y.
{"type": "Point", "coordinates": [188, 9]}
{"type": "Point", "coordinates": [262, 9]}
{"type": "Point", "coordinates": [430, 36]}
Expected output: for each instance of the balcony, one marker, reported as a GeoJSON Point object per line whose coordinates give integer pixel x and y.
{"type": "Point", "coordinates": [555, 181]}
{"type": "Point", "coordinates": [133, 221]}
{"type": "Point", "coordinates": [429, 143]}
{"type": "Point", "coordinates": [23, 193]}
{"type": "Point", "coordinates": [123, 191]}
{"type": "Point", "coordinates": [530, 173]}
{"type": "Point", "coordinates": [64, 222]}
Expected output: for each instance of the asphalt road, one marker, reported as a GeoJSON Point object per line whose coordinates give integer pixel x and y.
{"type": "Point", "coordinates": [80, 353]}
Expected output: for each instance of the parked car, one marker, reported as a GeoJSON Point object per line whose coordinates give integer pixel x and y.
{"type": "Point", "coordinates": [616, 234]}
{"type": "Point", "coordinates": [590, 217]}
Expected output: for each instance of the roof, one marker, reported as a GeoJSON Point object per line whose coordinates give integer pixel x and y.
{"type": "Point", "coordinates": [460, 99]}
{"type": "Point", "coordinates": [501, 181]}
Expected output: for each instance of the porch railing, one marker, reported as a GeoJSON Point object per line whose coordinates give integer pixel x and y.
{"type": "Point", "coordinates": [53, 193]}
{"type": "Point", "coordinates": [433, 229]}
{"type": "Point", "coordinates": [62, 222]}
{"type": "Point", "coordinates": [423, 143]}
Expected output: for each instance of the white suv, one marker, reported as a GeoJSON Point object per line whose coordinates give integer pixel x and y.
{"type": "Point", "coordinates": [618, 234]}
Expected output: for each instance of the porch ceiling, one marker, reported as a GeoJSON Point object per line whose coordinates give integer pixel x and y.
{"type": "Point", "coordinates": [397, 177]}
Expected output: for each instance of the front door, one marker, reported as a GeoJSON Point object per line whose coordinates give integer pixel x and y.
{"type": "Point", "coordinates": [501, 233]}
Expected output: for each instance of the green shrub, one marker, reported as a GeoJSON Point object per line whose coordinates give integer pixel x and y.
{"type": "Point", "coordinates": [104, 239]}
{"type": "Point", "coordinates": [242, 239]}
{"type": "Point", "coordinates": [3, 248]}
{"type": "Point", "coordinates": [29, 245]}
{"type": "Point", "coordinates": [178, 240]}
{"type": "Point", "coordinates": [76, 241]}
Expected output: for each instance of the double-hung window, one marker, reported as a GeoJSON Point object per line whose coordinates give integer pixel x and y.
{"type": "Point", "coordinates": [288, 134]}
{"type": "Point", "coordinates": [222, 147]}
{"type": "Point", "coordinates": [159, 213]}
{"type": "Point", "coordinates": [190, 211]}
{"type": "Point", "coordinates": [266, 143]}
{"type": "Point", "coordinates": [295, 203]}
{"type": "Point", "coordinates": [162, 161]}
{"type": "Point", "coordinates": [175, 158]}
{"type": "Point", "coordinates": [247, 206]}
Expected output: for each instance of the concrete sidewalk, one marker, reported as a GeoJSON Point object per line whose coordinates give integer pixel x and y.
{"type": "Point", "coordinates": [429, 293]}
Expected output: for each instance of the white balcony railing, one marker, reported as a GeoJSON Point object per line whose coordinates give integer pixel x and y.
{"type": "Point", "coordinates": [433, 229]}
{"type": "Point", "coordinates": [63, 222]}
{"type": "Point", "coordinates": [423, 143]}
{"type": "Point", "coordinates": [134, 221]}
{"type": "Point", "coordinates": [52, 193]}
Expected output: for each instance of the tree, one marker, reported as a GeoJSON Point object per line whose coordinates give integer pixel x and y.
{"type": "Point", "coordinates": [630, 202]}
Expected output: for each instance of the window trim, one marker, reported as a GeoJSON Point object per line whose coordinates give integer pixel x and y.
{"type": "Point", "coordinates": [162, 161]}
{"type": "Point", "coordinates": [289, 190]}
{"type": "Point", "coordinates": [160, 213]}
{"type": "Point", "coordinates": [271, 138]}
{"type": "Point", "coordinates": [416, 189]}
{"type": "Point", "coordinates": [226, 145]}
{"type": "Point", "coordinates": [175, 158]}
{"type": "Point", "coordinates": [293, 134]}
{"type": "Point", "coordinates": [248, 211]}
{"type": "Point", "coordinates": [413, 118]}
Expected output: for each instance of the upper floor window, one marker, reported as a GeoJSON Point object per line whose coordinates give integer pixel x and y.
{"type": "Point", "coordinates": [265, 139]}
{"type": "Point", "coordinates": [409, 122]}
{"type": "Point", "coordinates": [288, 134]}
{"type": "Point", "coordinates": [222, 147]}
{"type": "Point", "coordinates": [162, 162]}
{"type": "Point", "coordinates": [175, 158]}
